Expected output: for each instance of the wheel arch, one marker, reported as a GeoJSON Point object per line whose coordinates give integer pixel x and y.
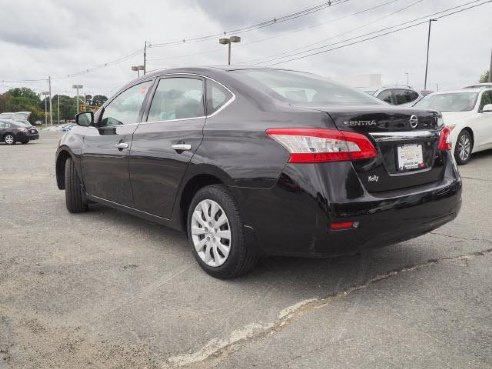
{"type": "Point", "coordinates": [470, 131]}
{"type": "Point", "coordinates": [190, 188]}
{"type": "Point", "coordinates": [61, 159]}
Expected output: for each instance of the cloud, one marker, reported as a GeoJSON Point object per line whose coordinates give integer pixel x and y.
{"type": "Point", "coordinates": [59, 37]}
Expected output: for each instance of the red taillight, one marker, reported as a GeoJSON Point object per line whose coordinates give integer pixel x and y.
{"type": "Point", "coordinates": [343, 225]}
{"type": "Point", "coordinates": [445, 139]}
{"type": "Point", "coordinates": [315, 145]}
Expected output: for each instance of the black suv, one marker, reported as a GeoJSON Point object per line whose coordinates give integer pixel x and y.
{"type": "Point", "coordinates": [252, 162]}
{"type": "Point", "coordinates": [12, 131]}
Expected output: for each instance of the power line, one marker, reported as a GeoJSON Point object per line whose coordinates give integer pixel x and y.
{"type": "Point", "coordinates": [282, 33]}
{"type": "Point", "coordinates": [386, 33]}
{"type": "Point", "coordinates": [112, 62]}
{"type": "Point", "coordinates": [289, 52]}
{"type": "Point", "coordinates": [266, 23]}
{"type": "Point", "coordinates": [370, 33]}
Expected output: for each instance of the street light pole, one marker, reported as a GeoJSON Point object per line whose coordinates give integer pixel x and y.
{"type": "Point", "coordinates": [77, 87]}
{"type": "Point", "coordinates": [45, 94]}
{"type": "Point", "coordinates": [228, 41]}
{"type": "Point", "coordinates": [407, 78]}
{"type": "Point", "coordinates": [51, 102]}
{"type": "Point", "coordinates": [138, 68]}
{"type": "Point", "coordinates": [428, 44]}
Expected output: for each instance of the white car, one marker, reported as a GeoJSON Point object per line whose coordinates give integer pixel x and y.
{"type": "Point", "coordinates": [468, 112]}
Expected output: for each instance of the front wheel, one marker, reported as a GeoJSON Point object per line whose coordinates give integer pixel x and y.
{"type": "Point", "coordinates": [463, 149]}
{"type": "Point", "coordinates": [9, 139]}
{"type": "Point", "coordinates": [216, 234]}
{"type": "Point", "coordinates": [74, 193]}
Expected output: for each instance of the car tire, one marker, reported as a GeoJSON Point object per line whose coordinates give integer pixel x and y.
{"type": "Point", "coordinates": [74, 194]}
{"type": "Point", "coordinates": [221, 257]}
{"type": "Point", "coordinates": [9, 139]}
{"type": "Point", "coordinates": [464, 147]}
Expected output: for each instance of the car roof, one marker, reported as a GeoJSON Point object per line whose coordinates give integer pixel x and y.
{"type": "Point", "coordinates": [479, 85]}
{"type": "Point", "coordinates": [476, 90]}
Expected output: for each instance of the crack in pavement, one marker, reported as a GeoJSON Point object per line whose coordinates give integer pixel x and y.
{"type": "Point", "coordinates": [477, 179]}
{"type": "Point", "coordinates": [218, 349]}
{"type": "Point", "coordinates": [461, 238]}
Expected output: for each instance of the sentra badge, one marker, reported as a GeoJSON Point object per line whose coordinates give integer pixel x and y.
{"type": "Point", "coordinates": [360, 123]}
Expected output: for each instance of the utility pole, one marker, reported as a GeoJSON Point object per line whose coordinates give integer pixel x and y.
{"type": "Point", "coordinates": [407, 78]}
{"type": "Point", "coordinates": [145, 59]}
{"type": "Point", "coordinates": [58, 109]}
{"type": "Point", "coordinates": [490, 70]}
{"type": "Point", "coordinates": [51, 103]}
{"type": "Point", "coordinates": [428, 44]}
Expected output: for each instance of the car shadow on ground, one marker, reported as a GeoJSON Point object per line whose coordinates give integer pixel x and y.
{"type": "Point", "coordinates": [304, 276]}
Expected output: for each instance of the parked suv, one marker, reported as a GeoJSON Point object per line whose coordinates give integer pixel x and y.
{"type": "Point", "coordinates": [397, 95]}
{"type": "Point", "coordinates": [12, 131]}
{"type": "Point", "coordinates": [252, 162]}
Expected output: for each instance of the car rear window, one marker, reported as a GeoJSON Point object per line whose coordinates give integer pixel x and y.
{"type": "Point", "coordinates": [449, 102]}
{"type": "Point", "coordinates": [298, 87]}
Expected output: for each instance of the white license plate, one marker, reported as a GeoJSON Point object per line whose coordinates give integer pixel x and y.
{"type": "Point", "coordinates": [410, 157]}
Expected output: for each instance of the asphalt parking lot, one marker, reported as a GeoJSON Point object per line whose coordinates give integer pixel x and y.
{"type": "Point", "coordinates": [107, 290]}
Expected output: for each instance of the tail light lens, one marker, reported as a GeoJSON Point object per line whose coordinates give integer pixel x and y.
{"type": "Point", "coordinates": [445, 139]}
{"type": "Point", "coordinates": [307, 145]}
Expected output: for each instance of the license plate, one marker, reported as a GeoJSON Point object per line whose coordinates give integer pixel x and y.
{"type": "Point", "coordinates": [410, 157]}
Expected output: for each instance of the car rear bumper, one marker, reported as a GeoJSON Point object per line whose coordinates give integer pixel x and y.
{"type": "Point", "coordinates": [294, 217]}
{"type": "Point", "coordinates": [23, 136]}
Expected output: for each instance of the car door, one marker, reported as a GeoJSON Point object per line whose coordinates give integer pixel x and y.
{"type": "Point", "coordinates": [107, 145]}
{"type": "Point", "coordinates": [164, 145]}
{"type": "Point", "coordinates": [484, 120]}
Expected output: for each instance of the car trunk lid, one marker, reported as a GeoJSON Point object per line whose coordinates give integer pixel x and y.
{"type": "Point", "coordinates": [406, 140]}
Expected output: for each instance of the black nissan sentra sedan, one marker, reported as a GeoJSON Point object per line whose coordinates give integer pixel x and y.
{"type": "Point", "coordinates": [256, 161]}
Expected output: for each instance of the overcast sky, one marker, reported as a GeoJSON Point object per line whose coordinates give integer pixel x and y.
{"type": "Point", "coordinates": [60, 37]}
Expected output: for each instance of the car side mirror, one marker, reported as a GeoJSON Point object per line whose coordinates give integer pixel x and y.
{"type": "Point", "coordinates": [85, 119]}
{"type": "Point", "coordinates": [487, 108]}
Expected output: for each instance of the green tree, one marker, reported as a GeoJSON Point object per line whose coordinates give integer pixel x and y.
{"type": "Point", "coordinates": [484, 77]}
{"type": "Point", "coordinates": [22, 99]}
{"type": "Point", "coordinates": [98, 100]}
{"type": "Point", "coordinates": [68, 107]}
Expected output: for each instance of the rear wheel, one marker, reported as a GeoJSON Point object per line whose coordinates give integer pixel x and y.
{"type": "Point", "coordinates": [9, 139]}
{"type": "Point", "coordinates": [74, 193]}
{"type": "Point", "coordinates": [463, 149]}
{"type": "Point", "coordinates": [216, 234]}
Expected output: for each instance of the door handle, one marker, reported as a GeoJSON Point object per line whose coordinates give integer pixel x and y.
{"type": "Point", "coordinates": [181, 147]}
{"type": "Point", "coordinates": [121, 146]}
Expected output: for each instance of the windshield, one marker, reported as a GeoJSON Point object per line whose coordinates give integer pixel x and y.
{"type": "Point", "coordinates": [449, 102]}
{"type": "Point", "coordinates": [297, 87]}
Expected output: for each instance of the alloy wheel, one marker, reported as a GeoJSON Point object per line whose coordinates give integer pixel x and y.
{"type": "Point", "coordinates": [9, 139]}
{"type": "Point", "coordinates": [464, 147]}
{"type": "Point", "coordinates": [211, 233]}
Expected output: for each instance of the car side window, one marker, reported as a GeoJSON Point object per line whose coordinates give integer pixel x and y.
{"type": "Point", "coordinates": [385, 96]}
{"type": "Point", "coordinates": [125, 108]}
{"type": "Point", "coordinates": [177, 98]}
{"type": "Point", "coordinates": [486, 99]}
{"type": "Point", "coordinates": [412, 96]}
{"type": "Point", "coordinates": [217, 96]}
{"type": "Point", "coordinates": [2, 125]}
{"type": "Point", "coordinates": [400, 96]}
